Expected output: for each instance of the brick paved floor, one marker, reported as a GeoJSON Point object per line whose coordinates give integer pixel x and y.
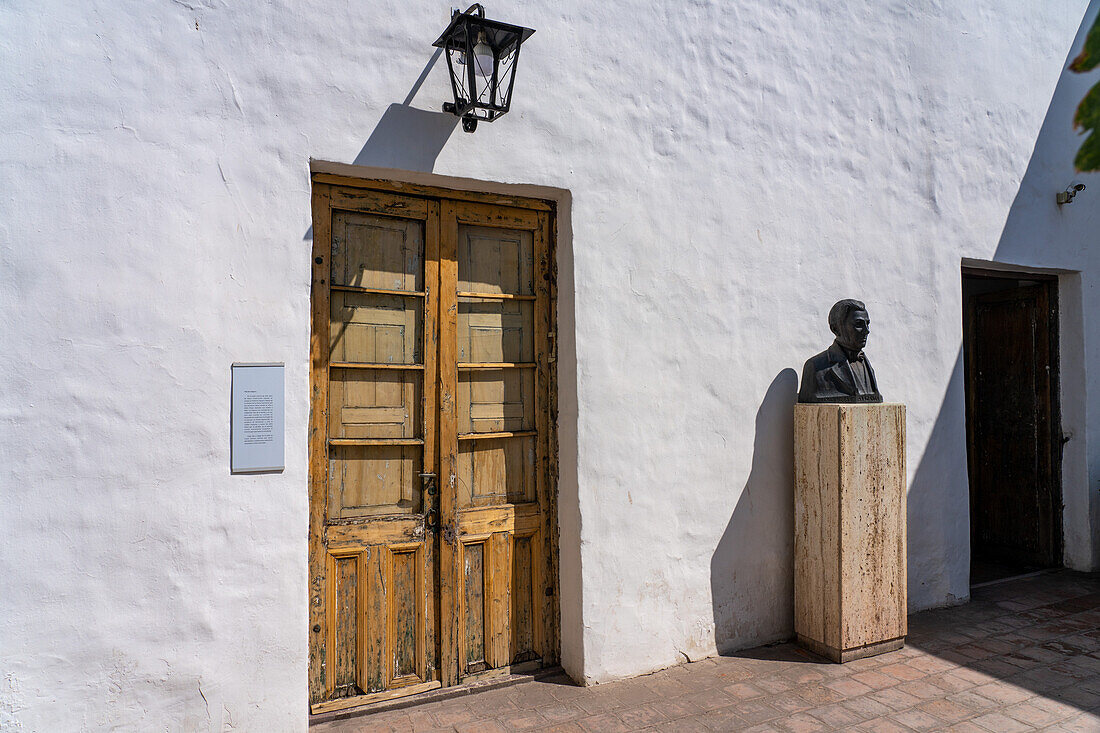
{"type": "Point", "coordinates": [1022, 655]}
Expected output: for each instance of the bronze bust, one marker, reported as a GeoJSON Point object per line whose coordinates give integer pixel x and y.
{"type": "Point", "coordinates": [842, 373]}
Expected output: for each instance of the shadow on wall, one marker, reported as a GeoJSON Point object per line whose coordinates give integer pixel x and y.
{"type": "Point", "coordinates": [752, 569]}
{"type": "Point", "coordinates": [1037, 232]}
{"type": "Point", "coordinates": [938, 503]}
{"type": "Point", "coordinates": [407, 138]}
{"type": "Point", "coordinates": [1040, 232]}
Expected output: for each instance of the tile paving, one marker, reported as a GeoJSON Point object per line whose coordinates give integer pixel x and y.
{"type": "Point", "coordinates": [1023, 655]}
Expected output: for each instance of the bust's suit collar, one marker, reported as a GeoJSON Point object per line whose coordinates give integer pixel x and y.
{"type": "Point", "coordinates": [842, 370]}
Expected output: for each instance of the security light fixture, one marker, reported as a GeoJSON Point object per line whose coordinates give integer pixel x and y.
{"type": "Point", "coordinates": [1067, 196]}
{"type": "Point", "coordinates": [482, 56]}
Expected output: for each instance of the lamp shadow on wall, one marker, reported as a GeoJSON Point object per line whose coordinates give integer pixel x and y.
{"type": "Point", "coordinates": [752, 568]}
{"type": "Point", "coordinates": [406, 137]}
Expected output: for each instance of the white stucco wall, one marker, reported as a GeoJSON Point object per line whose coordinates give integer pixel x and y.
{"type": "Point", "coordinates": [728, 184]}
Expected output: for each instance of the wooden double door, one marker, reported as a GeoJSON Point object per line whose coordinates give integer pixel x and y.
{"type": "Point", "coordinates": [432, 507]}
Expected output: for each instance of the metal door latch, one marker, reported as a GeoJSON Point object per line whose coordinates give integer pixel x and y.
{"type": "Point", "coordinates": [431, 516]}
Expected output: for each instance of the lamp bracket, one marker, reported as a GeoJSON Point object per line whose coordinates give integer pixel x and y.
{"type": "Point", "coordinates": [477, 6]}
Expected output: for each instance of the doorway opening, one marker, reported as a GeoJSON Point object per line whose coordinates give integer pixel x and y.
{"type": "Point", "coordinates": [1013, 424]}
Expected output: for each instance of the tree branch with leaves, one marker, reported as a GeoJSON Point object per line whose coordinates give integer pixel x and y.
{"type": "Point", "coordinates": [1087, 117]}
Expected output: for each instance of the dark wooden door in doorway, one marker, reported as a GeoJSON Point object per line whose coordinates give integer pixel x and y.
{"type": "Point", "coordinates": [1012, 425]}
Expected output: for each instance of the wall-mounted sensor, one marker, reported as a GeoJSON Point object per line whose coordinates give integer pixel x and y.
{"type": "Point", "coordinates": [1065, 197]}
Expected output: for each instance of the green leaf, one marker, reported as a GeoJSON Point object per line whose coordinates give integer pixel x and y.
{"type": "Point", "coordinates": [1087, 118]}
{"type": "Point", "coordinates": [1089, 57]}
{"type": "Point", "coordinates": [1088, 156]}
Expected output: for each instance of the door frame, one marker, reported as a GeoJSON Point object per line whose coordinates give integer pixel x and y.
{"type": "Point", "coordinates": [1056, 440]}
{"type": "Point", "coordinates": [546, 205]}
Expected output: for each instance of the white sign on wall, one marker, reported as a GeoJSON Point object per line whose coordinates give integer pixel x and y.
{"type": "Point", "coordinates": [256, 417]}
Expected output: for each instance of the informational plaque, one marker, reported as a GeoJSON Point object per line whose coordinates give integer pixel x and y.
{"type": "Point", "coordinates": [256, 433]}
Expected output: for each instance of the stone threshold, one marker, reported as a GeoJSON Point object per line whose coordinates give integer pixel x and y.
{"type": "Point", "coordinates": [1009, 579]}
{"type": "Point", "coordinates": [443, 693]}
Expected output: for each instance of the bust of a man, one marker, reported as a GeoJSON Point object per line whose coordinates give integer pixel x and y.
{"type": "Point", "coordinates": [842, 373]}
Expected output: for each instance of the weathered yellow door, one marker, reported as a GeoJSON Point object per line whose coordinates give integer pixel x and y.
{"type": "Point", "coordinates": [431, 550]}
{"type": "Point", "coordinates": [495, 334]}
{"type": "Point", "coordinates": [372, 445]}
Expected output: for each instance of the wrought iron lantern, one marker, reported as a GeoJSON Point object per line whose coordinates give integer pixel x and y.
{"type": "Point", "coordinates": [482, 56]}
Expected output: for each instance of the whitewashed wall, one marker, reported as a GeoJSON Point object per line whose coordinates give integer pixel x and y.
{"type": "Point", "coordinates": [734, 169]}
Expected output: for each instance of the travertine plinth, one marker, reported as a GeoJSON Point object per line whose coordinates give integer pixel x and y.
{"type": "Point", "coordinates": [849, 566]}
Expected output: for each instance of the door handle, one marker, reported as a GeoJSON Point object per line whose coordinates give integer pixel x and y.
{"type": "Point", "coordinates": [431, 516]}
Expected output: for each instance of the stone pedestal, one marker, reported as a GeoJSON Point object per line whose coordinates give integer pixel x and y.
{"type": "Point", "coordinates": [849, 556]}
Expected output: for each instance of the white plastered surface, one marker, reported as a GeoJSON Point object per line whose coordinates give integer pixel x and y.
{"type": "Point", "coordinates": [734, 169]}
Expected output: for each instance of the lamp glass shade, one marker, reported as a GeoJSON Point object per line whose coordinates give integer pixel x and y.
{"type": "Point", "coordinates": [484, 59]}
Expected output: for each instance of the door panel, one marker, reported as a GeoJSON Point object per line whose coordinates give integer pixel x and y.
{"type": "Point", "coordinates": [494, 471]}
{"type": "Point", "coordinates": [495, 330]}
{"type": "Point", "coordinates": [375, 404]}
{"type": "Point", "coordinates": [345, 574]}
{"type": "Point", "coordinates": [474, 600]}
{"type": "Point", "coordinates": [501, 627]}
{"type": "Point", "coordinates": [1009, 425]}
{"type": "Point", "coordinates": [495, 260]}
{"type": "Point", "coordinates": [375, 580]}
{"type": "Point", "coordinates": [379, 252]}
{"type": "Point", "coordinates": [430, 356]}
{"type": "Point", "coordinates": [374, 480]}
{"type": "Point", "coordinates": [500, 444]}
{"type": "Point", "coordinates": [376, 329]}
{"type": "Point", "coordinates": [525, 641]}
{"type": "Point", "coordinates": [495, 400]}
